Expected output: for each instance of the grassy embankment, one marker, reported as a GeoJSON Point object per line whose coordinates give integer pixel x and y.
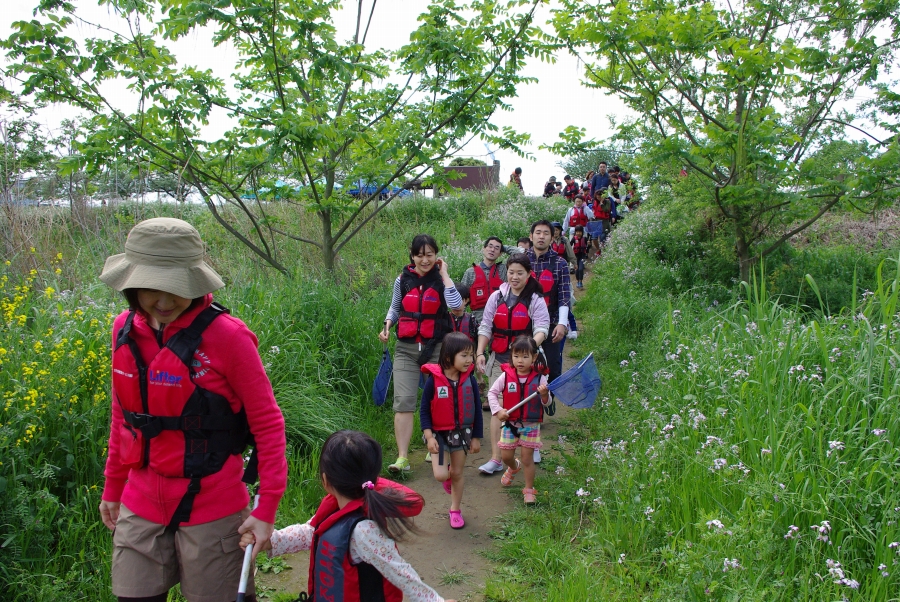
{"type": "Point", "coordinates": [746, 444]}
{"type": "Point", "coordinates": [317, 338]}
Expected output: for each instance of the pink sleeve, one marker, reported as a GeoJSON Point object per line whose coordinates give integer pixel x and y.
{"type": "Point", "coordinates": [116, 475]}
{"type": "Point", "coordinates": [290, 540]}
{"type": "Point", "coordinates": [495, 394]}
{"type": "Point", "coordinates": [247, 377]}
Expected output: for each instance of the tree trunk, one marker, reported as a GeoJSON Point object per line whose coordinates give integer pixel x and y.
{"type": "Point", "coordinates": [743, 253]}
{"type": "Point", "coordinates": [327, 241]}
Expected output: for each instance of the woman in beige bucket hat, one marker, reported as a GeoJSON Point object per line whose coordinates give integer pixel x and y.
{"type": "Point", "coordinates": [189, 389]}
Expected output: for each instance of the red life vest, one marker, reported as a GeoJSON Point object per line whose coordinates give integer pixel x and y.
{"type": "Point", "coordinates": [514, 392]}
{"type": "Point", "coordinates": [423, 312]}
{"type": "Point", "coordinates": [547, 282]}
{"type": "Point", "coordinates": [579, 217]}
{"type": "Point", "coordinates": [463, 324]}
{"type": "Point", "coordinates": [579, 245]}
{"type": "Point", "coordinates": [602, 209]}
{"type": "Point", "coordinates": [509, 323]}
{"type": "Point", "coordinates": [332, 574]}
{"type": "Point", "coordinates": [571, 190]}
{"type": "Point", "coordinates": [171, 425]}
{"type": "Point", "coordinates": [559, 247]}
{"type": "Point", "coordinates": [452, 406]}
{"type": "Point", "coordinates": [483, 286]}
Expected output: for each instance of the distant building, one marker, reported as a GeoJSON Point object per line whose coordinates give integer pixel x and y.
{"type": "Point", "coordinates": [486, 177]}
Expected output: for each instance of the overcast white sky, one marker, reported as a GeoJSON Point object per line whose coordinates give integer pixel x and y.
{"type": "Point", "coordinates": [542, 109]}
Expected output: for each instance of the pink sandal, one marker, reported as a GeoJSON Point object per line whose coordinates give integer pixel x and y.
{"type": "Point", "coordinates": [447, 486]}
{"type": "Point", "coordinates": [508, 476]}
{"type": "Point", "coordinates": [530, 495]}
{"type": "Point", "coordinates": [456, 519]}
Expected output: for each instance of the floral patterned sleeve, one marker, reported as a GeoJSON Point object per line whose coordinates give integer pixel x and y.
{"type": "Point", "coordinates": [369, 544]}
{"type": "Point", "coordinates": [291, 539]}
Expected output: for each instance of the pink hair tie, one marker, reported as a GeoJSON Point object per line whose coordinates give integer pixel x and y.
{"type": "Point", "coordinates": [368, 485]}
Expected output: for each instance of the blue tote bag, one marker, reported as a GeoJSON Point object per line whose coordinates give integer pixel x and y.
{"type": "Point", "coordinates": [383, 378]}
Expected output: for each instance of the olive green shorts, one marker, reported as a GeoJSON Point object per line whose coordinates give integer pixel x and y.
{"type": "Point", "coordinates": [407, 373]}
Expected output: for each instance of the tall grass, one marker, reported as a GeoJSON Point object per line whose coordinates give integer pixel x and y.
{"type": "Point", "coordinates": [742, 450]}
{"type": "Point", "coordinates": [317, 337]}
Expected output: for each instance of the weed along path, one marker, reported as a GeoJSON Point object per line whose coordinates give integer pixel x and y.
{"type": "Point", "coordinates": [451, 561]}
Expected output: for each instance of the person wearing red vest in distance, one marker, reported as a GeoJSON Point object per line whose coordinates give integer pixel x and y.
{"type": "Point", "coordinates": [517, 308]}
{"type": "Point", "coordinates": [578, 214]}
{"type": "Point", "coordinates": [561, 244]}
{"type": "Point", "coordinates": [422, 294]}
{"type": "Point", "coordinates": [522, 427]}
{"type": "Point", "coordinates": [188, 391]}
{"type": "Point", "coordinates": [552, 273]}
{"type": "Point", "coordinates": [352, 535]}
{"type": "Point", "coordinates": [450, 418]}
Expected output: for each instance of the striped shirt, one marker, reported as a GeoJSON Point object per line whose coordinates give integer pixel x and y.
{"type": "Point", "coordinates": [560, 269]}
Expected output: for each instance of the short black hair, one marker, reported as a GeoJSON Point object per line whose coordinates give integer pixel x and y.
{"type": "Point", "coordinates": [463, 290]}
{"type": "Point", "coordinates": [453, 343]}
{"type": "Point", "coordinates": [518, 170]}
{"type": "Point", "coordinates": [419, 243]}
{"type": "Point", "coordinates": [524, 239]}
{"type": "Point", "coordinates": [542, 222]}
{"type": "Point", "coordinates": [579, 229]}
{"type": "Point", "coordinates": [489, 239]}
{"type": "Point", "coordinates": [602, 163]}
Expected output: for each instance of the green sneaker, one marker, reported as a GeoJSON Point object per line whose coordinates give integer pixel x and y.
{"type": "Point", "coordinates": [400, 465]}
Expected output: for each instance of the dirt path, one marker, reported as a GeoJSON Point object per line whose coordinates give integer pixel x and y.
{"type": "Point", "coordinates": [451, 561]}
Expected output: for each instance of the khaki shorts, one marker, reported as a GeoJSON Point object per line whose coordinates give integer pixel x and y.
{"type": "Point", "coordinates": [406, 374]}
{"type": "Point", "coordinates": [206, 559]}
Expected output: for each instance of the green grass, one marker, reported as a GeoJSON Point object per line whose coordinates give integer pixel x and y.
{"type": "Point", "coordinates": [722, 428]}
{"type": "Point", "coordinates": [317, 337]}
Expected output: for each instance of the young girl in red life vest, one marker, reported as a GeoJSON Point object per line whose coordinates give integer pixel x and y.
{"type": "Point", "coordinates": [353, 533]}
{"type": "Point", "coordinates": [522, 427]}
{"type": "Point", "coordinates": [580, 248]}
{"type": "Point", "coordinates": [188, 388]}
{"type": "Point", "coordinates": [451, 416]}
{"type": "Point", "coordinates": [461, 318]}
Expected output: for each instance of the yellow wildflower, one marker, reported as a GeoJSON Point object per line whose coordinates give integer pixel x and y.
{"type": "Point", "coordinates": [48, 292]}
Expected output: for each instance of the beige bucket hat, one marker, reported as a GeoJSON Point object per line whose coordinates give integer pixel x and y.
{"type": "Point", "coordinates": [165, 254]}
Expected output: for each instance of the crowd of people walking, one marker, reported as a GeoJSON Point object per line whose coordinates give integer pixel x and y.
{"type": "Point", "coordinates": [190, 393]}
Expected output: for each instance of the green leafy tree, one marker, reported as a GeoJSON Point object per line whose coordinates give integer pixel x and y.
{"type": "Point", "coordinates": [749, 95]}
{"type": "Point", "coordinates": [310, 109]}
{"type": "Point", "coordinates": [466, 162]}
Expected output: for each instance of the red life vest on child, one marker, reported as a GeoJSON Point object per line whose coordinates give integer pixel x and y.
{"type": "Point", "coordinates": [602, 210]}
{"type": "Point", "coordinates": [547, 282]}
{"type": "Point", "coordinates": [509, 323]}
{"type": "Point", "coordinates": [332, 574]}
{"type": "Point", "coordinates": [483, 286]}
{"type": "Point", "coordinates": [171, 425]}
{"type": "Point", "coordinates": [452, 406]}
{"type": "Point", "coordinates": [579, 245]}
{"type": "Point", "coordinates": [514, 392]}
{"type": "Point", "coordinates": [579, 217]}
{"type": "Point", "coordinates": [423, 313]}
{"type": "Point", "coordinates": [463, 324]}
{"type": "Point", "coordinates": [571, 190]}
{"type": "Point", "coordinates": [559, 247]}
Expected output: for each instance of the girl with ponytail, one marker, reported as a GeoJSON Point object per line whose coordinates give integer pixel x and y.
{"type": "Point", "coordinates": [352, 535]}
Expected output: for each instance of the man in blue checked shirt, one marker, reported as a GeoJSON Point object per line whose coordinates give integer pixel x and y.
{"type": "Point", "coordinates": [552, 272]}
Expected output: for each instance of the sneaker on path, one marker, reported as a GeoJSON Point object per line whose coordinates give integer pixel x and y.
{"type": "Point", "coordinates": [428, 456]}
{"type": "Point", "coordinates": [490, 467]}
{"type": "Point", "coordinates": [537, 456]}
{"type": "Point", "coordinates": [401, 464]}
